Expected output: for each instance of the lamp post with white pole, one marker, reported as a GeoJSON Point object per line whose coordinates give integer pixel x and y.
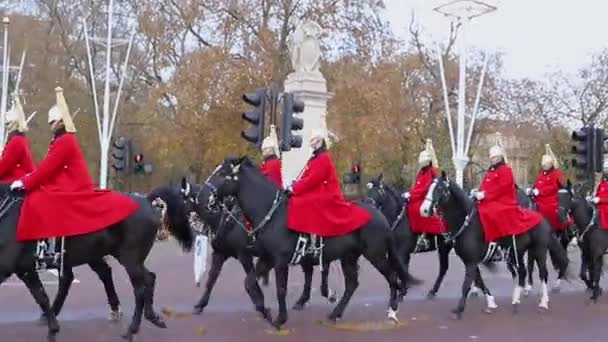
{"type": "Point", "coordinates": [5, 70]}
{"type": "Point", "coordinates": [107, 117]}
{"type": "Point", "coordinates": [462, 11]}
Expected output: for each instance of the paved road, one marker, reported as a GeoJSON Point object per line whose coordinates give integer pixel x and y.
{"type": "Point", "coordinates": [230, 317]}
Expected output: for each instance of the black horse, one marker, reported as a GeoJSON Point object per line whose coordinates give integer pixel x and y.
{"type": "Point", "coordinates": [564, 236]}
{"type": "Point", "coordinates": [225, 227]}
{"type": "Point", "coordinates": [265, 206]}
{"type": "Point", "coordinates": [393, 206]}
{"type": "Point", "coordinates": [592, 240]}
{"type": "Point", "coordinates": [465, 229]}
{"type": "Point", "coordinates": [129, 241]}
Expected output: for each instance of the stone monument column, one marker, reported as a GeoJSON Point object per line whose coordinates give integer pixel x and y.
{"type": "Point", "coordinates": [307, 84]}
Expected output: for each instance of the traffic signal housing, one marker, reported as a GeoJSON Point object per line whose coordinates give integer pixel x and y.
{"type": "Point", "coordinates": [120, 154]}
{"type": "Point", "coordinates": [291, 106]}
{"type": "Point", "coordinates": [256, 117]}
{"type": "Point", "coordinates": [599, 149]}
{"type": "Point", "coordinates": [356, 173]}
{"type": "Point", "coordinates": [583, 152]}
{"type": "Point", "coordinates": [138, 166]}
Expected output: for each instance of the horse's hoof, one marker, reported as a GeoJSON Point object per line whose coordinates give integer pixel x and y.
{"type": "Point", "coordinates": [332, 319]}
{"type": "Point", "coordinates": [127, 336]}
{"type": "Point", "coordinates": [431, 295]}
{"type": "Point", "coordinates": [115, 315]}
{"type": "Point", "coordinates": [157, 321]}
{"type": "Point", "coordinates": [456, 314]}
{"type": "Point", "coordinates": [488, 311]}
{"type": "Point", "coordinates": [299, 306]}
{"type": "Point", "coordinates": [198, 309]}
{"type": "Point", "coordinates": [51, 337]}
{"type": "Point", "coordinates": [266, 314]}
{"type": "Point", "coordinates": [277, 325]}
{"type": "Point", "coordinates": [543, 309]}
{"type": "Point", "coordinates": [515, 309]}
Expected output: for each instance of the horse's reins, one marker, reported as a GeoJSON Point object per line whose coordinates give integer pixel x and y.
{"type": "Point", "coordinates": [591, 223]}
{"type": "Point", "coordinates": [399, 217]}
{"type": "Point", "coordinates": [225, 210]}
{"type": "Point", "coordinates": [7, 203]}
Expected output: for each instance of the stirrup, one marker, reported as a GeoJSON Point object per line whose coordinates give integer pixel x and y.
{"type": "Point", "coordinates": [422, 243]}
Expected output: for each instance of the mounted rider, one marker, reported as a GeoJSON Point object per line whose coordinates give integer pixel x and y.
{"type": "Point", "coordinates": [499, 211]}
{"type": "Point", "coordinates": [16, 160]}
{"type": "Point", "coordinates": [316, 204]}
{"type": "Point", "coordinates": [546, 188]}
{"type": "Point", "coordinates": [61, 200]}
{"type": "Point", "coordinates": [427, 161]}
{"type": "Point", "coordinates": [601, 197]}
{"type": "Point", "coordinates": [271, 166]}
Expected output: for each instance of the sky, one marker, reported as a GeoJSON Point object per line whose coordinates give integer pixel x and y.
{"type": "Point", "coordinates": [536, 36]}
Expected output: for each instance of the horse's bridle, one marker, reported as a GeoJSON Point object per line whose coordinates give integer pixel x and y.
{"type": "Point", "coordinates": [378, 206]}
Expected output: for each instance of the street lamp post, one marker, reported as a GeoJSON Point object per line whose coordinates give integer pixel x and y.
{"type": "Point", "coordinates": [462, 11]}
{"type": "Point", "coordinates": [107, 117]}
{"type": "Point", "coordinates": [5, 70]}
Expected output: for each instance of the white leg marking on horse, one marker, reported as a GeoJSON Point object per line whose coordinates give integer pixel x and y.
{"type": "Point", "coordinates": [544, 299]}
{"type": "Point", "coordinates": [392, 314]}
{"type": "Point", "coordinates": [557, 285]}
{"type": "Point", "coordinates": [491, 302]}
{"type": "Point", "coordinates": [517, 294]}
{"type": "Point", "coordinates": [527, 289]}
{"type": "Point", "coordinates": [474, 290]}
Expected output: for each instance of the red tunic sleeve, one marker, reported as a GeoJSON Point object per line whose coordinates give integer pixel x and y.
{"type": "Point", "coordinates": [10, 156]}
{"type": "Point", "coordinates": [59, 151]}
{"type": "Point", "coordinates": [317, 172]}
{"type": "Point", "coordinates": [505, 183]}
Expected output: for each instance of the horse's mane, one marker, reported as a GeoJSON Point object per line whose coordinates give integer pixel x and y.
{"type": "Point", "coordinates": [460, 195]}
{"type": "Point", "coordinates": [177, 215]}
{"type": "Point", "coordinates": [392, 192]}
{"type": "Point", "coordinates": [258, 176]}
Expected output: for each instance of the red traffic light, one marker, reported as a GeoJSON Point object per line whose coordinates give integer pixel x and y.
{"type": "Point", "coordinates": [139, 158]}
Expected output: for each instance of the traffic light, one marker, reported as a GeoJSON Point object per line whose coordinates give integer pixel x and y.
{"type": "Point", "coordinates": [583, 152]}
{"type": "Point", "coordinates": [356, 173]}
{"type": "Point", "coordinates": [599, 149]}
{"type": "Point", "coordinates": [121, 151]}
{"type": "Point", "coordinates": [138, 167]}
{"type": "Point", "coordinates": [291, 106]}
{"type": "Point", "coordinates": [255, 134]}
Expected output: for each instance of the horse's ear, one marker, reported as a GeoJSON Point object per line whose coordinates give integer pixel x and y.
{"type": "Point", "coordinates": [184, 182]}
{"type": "Point", "coordinates": [444, 175]}
{"type": "Point", "coordinates": [380, 177]}
{"type": "Point", "coordinates": [569, 184]}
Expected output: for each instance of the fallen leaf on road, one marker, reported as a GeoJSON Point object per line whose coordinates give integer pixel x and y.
{"type": "Point", "coordinates": [200, 331]}
{"type": "Point", "coordinates": [281, 332]}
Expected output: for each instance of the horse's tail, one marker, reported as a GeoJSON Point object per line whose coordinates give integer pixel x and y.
{"type": "Point", "coordinates": [177, 215]}
{"type": "Point", "coordinates": [559, 256]}
{"type": "Point", "coordinates": [399, 265]}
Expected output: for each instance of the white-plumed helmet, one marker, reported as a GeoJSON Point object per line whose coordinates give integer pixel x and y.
{"type": "Point", "coordinates": [15, 118]}
{"type": "Point", "coordinates": [428, 155]}
{"type": "Point", "coordinates": [317, 137]}
{"type": "Point", "coordinates": [498, 149]}
{"type": "Point", "coordinates": [60, 111]}
{"type": "Point", "coordinates": [270, 147]}
{"type": "Point", "coordinates": [549, 157]}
